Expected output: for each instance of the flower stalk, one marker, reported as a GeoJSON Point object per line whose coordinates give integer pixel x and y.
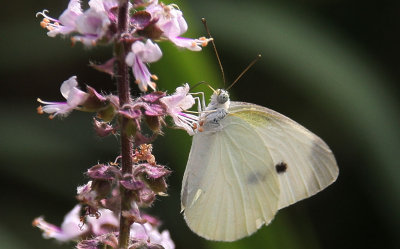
{"type": "Point", "coordinates": [122, 78]}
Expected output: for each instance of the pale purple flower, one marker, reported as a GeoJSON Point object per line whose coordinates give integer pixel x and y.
{"type": "Point", "coordinates": [170, 20]}
{"type": "Point", "coordinates": [66, 22]}
{"type": "Point", "coordinates": [141, 236]}
{"type": "Point", "coordinates": [93, 25]}
{"type": "Point", "coordinates": [140, 54]}
{"type": "Point", "coordinates": [191, 44]}
{"type": "Point", "coordinates": [103, 5]}
{"type": "Point", "coordinates": [90, 26]}
{"type": "Point", "coordinates": [149, 233]}
{"type": "Point", "coordinates": [176, 104]}
{"type": "Point", "coordinates": [70, 228]}
{"type": "Point", "coordinates": [73, 227]}
{"type": "Point", "coordinates": [102, 224]}
{"type": "Point", "coordinates": [74, 96]}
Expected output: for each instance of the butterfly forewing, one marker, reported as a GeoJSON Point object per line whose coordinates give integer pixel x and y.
{"type": "Point", "coordinates": [303, 162]}
{"type": "Point", "coordinates": [230, 187]}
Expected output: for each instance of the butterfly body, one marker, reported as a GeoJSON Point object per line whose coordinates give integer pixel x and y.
{"type": "Point", "coordinates": [247, 163]}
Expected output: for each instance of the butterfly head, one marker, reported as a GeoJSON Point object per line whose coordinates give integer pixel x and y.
{"type": "Point", "coordinates": [219, 99]}
{"type": "Point", "coordinates": [222, 96]}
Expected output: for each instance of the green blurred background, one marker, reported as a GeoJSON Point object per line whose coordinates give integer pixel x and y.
{"type": "Point", "coordinates": [331, 65]}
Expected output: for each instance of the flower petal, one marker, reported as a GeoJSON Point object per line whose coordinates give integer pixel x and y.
{"type": "Point", "coordinates": [70, 228]}
{"type": "Point", "coordinates": [67, 86]}
{"type": "Point", "coordinates": [69, 16]}
{"type": "Point", "coordinates": [147, 52]}
{"type": "Point", "coordinates": [104, 223]}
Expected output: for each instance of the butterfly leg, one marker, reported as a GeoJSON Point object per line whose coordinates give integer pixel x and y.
{"type": "Point", "coordinates": [202, 102]}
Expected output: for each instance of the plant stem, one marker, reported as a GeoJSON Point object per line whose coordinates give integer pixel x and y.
{"type": "Point", "coordinates": [122, 78]}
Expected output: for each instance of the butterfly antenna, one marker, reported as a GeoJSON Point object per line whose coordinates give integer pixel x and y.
{"type": "Point", "coordinates": [200, 83]}
{"type": "Point", "coordinates": [245, 70]}
{"type": "Point", "coordinates": [215, 50]}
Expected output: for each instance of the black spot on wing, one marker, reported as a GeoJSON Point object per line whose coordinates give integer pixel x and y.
{"type": "Point", "coordinates": [281, 167]}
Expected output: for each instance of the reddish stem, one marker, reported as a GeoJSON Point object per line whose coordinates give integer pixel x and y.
{"type": "Point", "coordinates": [122, 78]}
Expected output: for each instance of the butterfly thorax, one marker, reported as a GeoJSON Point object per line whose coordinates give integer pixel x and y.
{"type": "Point", "coordinates": [216, 110]}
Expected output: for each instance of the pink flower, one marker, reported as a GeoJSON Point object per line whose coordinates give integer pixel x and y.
{"type": "Point", "coordinates": [69, 229]}
{"type": "Point", "coordinates": [104, 5]}
{"type": "Point", "coordinates": [170, 20]}
{"type": "Point", "coordinates": [103, 224]}
{"type": "Point", "coordinates": [191, 44]}
{"type": "Point", "coordinates": [149, 233]}
{"type": "Point", "coordinates": [90, 101]}
{"type": "Point", "coordinates": [140, 54]}
{"type": "Point", "coordinates": [141, 236]}
{"type": "Point", "coordinates": [93, 25]}
{"type": "Point", "coordinates": [74, 96]}
{"type": "Point", "coordinates": [90, 26]}
{"type": "Point", "coordinates": [176, 104]}
{"type": "Point", "coordinates": [73, 228]}
{"type": "Point", "coordinates": [95, 22]}
{"type": "Point", "coordinates": [66, 22]}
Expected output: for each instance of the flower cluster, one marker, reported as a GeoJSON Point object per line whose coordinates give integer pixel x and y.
{"type": "Point", "coordinates": [150, 21]}
{"type": "Point", "coordinates": [98, 23]}
{"type": "Point", "coordinates": [151, 108]}
{"type": "Point", "coordinates": [146, 180]}
{"type": "Point", "coordinates": [100, 200]}
{"type": "Point", "coordinates": [95, 232]}
{"type": "Point", "coordinates": [76, 99]}
{"type": "Point", "coordinates": [117, 191]}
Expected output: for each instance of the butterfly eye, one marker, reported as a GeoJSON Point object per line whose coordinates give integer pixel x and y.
{"type": "Point", "coordinates": [223, 96]}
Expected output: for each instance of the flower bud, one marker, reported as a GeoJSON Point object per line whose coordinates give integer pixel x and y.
{"type": "Point", "coordinates": [103, 129]}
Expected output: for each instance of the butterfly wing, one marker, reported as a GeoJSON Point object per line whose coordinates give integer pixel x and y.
{"type": "Point", "coordinates": [230, 187]}
{"type": "Point", "coordinates": [305, 162]}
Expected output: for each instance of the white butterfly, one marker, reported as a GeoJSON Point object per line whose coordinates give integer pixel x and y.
{"type": "Point", "coordinates": [247, 162]}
